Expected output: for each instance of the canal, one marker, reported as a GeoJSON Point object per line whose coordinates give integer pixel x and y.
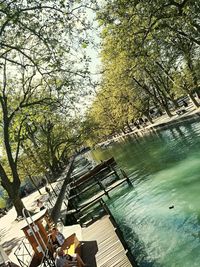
{"type": "Point", "coordinates": [165, 171]}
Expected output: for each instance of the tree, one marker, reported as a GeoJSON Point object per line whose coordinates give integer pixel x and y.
{"type": "Point", "coordinates": [49, 140]}
{"type": "Point", "coordinates": [37, 70]}
{"type": "Point", "coordinates": [28, 169]}
{"type": "Point", "coordinates": [155, 41]}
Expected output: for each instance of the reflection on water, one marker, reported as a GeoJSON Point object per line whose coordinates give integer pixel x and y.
{"type": "Point", "coordinates": [165, 170]}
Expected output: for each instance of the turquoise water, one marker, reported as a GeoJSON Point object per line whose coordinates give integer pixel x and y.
{"type": "Point", "coordinates": [165, 171]}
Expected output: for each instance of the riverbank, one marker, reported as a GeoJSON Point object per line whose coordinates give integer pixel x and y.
{"type": "Point", "coordinates": [114, 244]}
{"type": "Point", "coordinates": [163, 122]}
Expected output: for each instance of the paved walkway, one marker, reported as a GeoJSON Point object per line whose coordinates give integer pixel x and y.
{"type": "Point", "coordinates": [190, 110]}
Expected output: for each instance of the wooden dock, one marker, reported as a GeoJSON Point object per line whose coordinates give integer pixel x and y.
{"type": "Point", "coordinates": [91, 187]}
{"type": "Point", "coordinates": [97, 170]}
{"type": "Point", "coordinates": [101, 193]}
{"type": "Point", "coordinates": [110, 251]}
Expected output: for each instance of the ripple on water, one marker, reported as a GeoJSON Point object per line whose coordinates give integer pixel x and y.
{"type": "Point", "coordinates": [165, 171]}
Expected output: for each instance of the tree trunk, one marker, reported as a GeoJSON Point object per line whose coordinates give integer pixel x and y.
{"type": "Point", "coordinates": [194, 78]}
{"type": "Point", "coordinates": [55, 164]}
{"type": "Point", "coordinates": [198, 93]}
{"type": "Point", "coordinates": [18, 204]}
{"type": "Point", "coordinates": [167, 111]}
{"type": "Point", "coordinates": [34, 184]}
{"type": "Point", "coordinates": [174, 102]}
{"type": "Point", "coordinates": [194, 102]}
{"type": "Point", "coordinates": [164, 102]}
{"type": "Point", "coordinates": [123, 131]}
{"type": "Point", "coordinates": [12, 189]}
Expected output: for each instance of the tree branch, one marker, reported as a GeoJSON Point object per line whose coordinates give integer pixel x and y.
{"type": "Point", "coordinates": [5, 182]}
{"type": "Point", "coordinates": [38, 102]}
{"type": "Point", "coordinates": [19, 140]}
{"type": "Point", "coordinates": [4, 80]}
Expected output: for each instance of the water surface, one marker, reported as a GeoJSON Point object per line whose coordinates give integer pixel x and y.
{"type": "Point", "coordinates": [165, 171]}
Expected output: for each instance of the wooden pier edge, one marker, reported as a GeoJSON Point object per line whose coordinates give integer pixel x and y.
{"type": "Point", "coordinates": [119, 234]}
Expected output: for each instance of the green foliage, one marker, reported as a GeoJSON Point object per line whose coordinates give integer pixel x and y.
{"type": "Point", "coordinates": [40, 72]}
{"type": "Point", "coordinates": [149, 57]}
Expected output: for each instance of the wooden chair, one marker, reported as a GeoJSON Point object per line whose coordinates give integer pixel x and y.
{"type": "Point", "coordinates": [72, 245]}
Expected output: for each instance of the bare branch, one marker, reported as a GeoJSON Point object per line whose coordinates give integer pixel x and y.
{"type": "Point", "coordinates": [20, 51]}
{"type": "Point", "coordinates": [14, 62]}
{"type": "Point", "coordinates": [39, 8]}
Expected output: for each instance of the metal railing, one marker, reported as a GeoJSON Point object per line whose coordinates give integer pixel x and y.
{"type": "Point", "coordinates": [24, 253]}
{"type": "Point", "coordinates": [48, 260]}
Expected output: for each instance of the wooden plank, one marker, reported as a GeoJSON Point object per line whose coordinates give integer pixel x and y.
{"type": "Point", "coordinates": [111, 252]}
{"type": "Point", "coordinates": [86, 187]}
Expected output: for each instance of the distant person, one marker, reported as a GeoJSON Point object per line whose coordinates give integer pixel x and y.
{"type": "Point", "coordinates": [40, 204]}
{"type": "Point", "coordinates": [159, 112]}
{"type": "Point", "coordinates": [66, 260]}
{"type": "Point", "coordinates": [2, 212]}
{"type": "Point", "coordinates": [57, 237]}
{"type": "Point", "coordinates": [44, 182]}
{"type": "Point", "coordinates": [141, 121]}
{"type": "Point", "coordinates": [47, 189]}
{"type": "Point", "coordinates": [136, 125]}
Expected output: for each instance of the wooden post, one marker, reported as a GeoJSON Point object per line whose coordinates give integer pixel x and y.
{"type": "Point", "coordinates": [102, 187]}
{"type": "Point", "coordinates": [126, 177]}
{"type": "Point", "coordinates": [109, 166]}
{"type": "Point", "coordinates": [116, 174]}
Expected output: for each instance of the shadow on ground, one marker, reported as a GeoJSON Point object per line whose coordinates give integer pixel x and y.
{"type": "Point", "coordinates": [88, 251]}
{"type": "Point", "coordinates": [2, 233]}
{"type": "Point", "coordinates": [9, 245]}
{"type": "Point", "coordinates": [12, 264]}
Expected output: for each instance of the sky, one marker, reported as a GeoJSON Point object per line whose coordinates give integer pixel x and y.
{"type": "Point", "coordinates": [92, 51]}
